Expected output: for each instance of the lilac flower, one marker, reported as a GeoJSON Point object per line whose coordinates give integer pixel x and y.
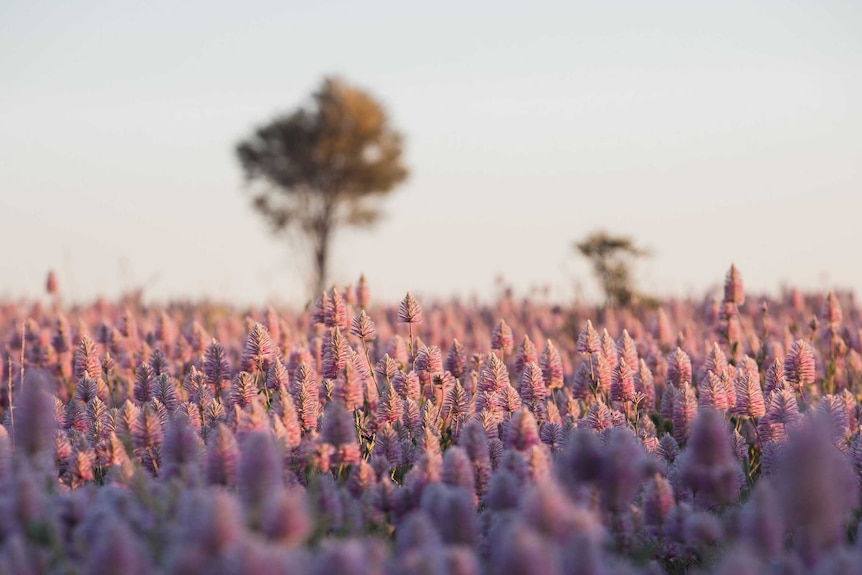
{"type": "Point", "coordinates": [99, 422]}
{"type": "Point", "coordinates": [416, 531]}
{"type": "Point", "coordinates": [79, 465]}
{"type": "Point", "coordinates": [547, 508]}
{"type": "Point", "coordinates": [525, 354]}
{"type": "Point", "coordinates": [386, 368]}
{"type": "Point", "coordinates": [816, 490]}
{"type": "Point", "coordinates": [144, 377]}
{"type": "Point", "coordinates": [702, 530]}
{"type": "Point", "coordinates": [783, 408]}
{"type": "Point", "coordinates": [712, 392]}
{"type": "Point", "coordinates": [645, 385]}
{"type": "Point", "coordinates": [115, 551]}
{"type": "Point", "coordinates": [363, 328]}
{"type": "Point", "coordinates": [799, 364]}
{"type": "Point", "coordinates": [242, 389]}
{"type": "Point", "coordinates": [831, 313]}
{"type": "Point", "coordinates": [474, 441]}
{"type": "Point", "coordinates": [259, 471]}
{"type": "Point", "coordinates": [278, 376]}
{"type": "Point", "coordinates": [520, 550]}
{"type": "Point", "coordinates": [147, 436]}
{"type": "Point", "coordinates": [456, 360]}
{"type": "Point", "coordinates": [283, 411]}
{"type": "Point", "coordinates": [678, 368]}
{"type": "Point", "coordinates": [335, 353]}
{"type": "Point", "coordinates": [684, 412]}
{"type": "Point", "coordinates": [62, 339]}
{"type": "Point", "coordinates": [774, 376]}
{"type": "Point", "coordinates": [304, 390]}
{"type": "Point", "coordinates": [391, 406]}
{"type": "Point", "coordinates": [158, 362]}
{"type": "Point", "coordinates": [397, 349]}
{"type": "Point", "coordinates": [86, 389]}
{"type": "Point", "coordinates": [75, 416]}
{"type": "Point", "coordinates": [87, 360]}
{"type": "Point", "coordinates": [453, 512]}
{"type": "Point", "coordinates": [708, 466]}
{"type": "Point", "coordinates": [164, 331]}
{"type": "Point", "coordinates": [407, 385]}
{"type": "Point", "coordinates": [522, 432]}
{"type": "Point", "coordinates": [552, 366]}
{"type": "Point", "coordinates": [387, 445]}
{"type": "Point", "coordinates": [320, 304]}
{"type": "Point", "coordinates": [410, 311]}
{"type": "Point", "coordinates": [458, 469]}
{"type": "Point", "coordinates": [623, 469]}
{"type": "Point", "coordinates": [214, 522]}
{"type": "Point", "coordinates": [733, 290]}
{"type": "Point", "coordinates": [715, 361]}
{"type": "Point", "coordinates": [334, 311]}
{"type": "Point", "coordinates": [457, 403]}
{"type": "Point", "coordinates": [338, 430]}
{"type": "Point", "coordinates": [504, 491]}
{"type": "Point", "coordinates": [362, 295]}
{"type": "Point", "coordinates": [494, 376]}
{"type": "Point", "coordinates": [181, 452]}
{"type": "Point", "coordinates": [501, 338]}
{"type": "Point", "coordinates": [285, 518]}
{"type": "Point", "coordinates": [609, 348]}
{"type": "Point", "coordinates": [627, 350]}
{"type": "Point", "coordinates": [599, 417]}
{"type": "Point", "coordinates": [259, 351]}
{"type": "Point", "coordinates": [663, 329]}
{"type": "Point", "coordinates": [832, 415]}
{"type": "Point", "coordinates": [749, 396]}
{"type": "Point", "coordinates": [222, 457]}
{"type": "Point", "coordinates": [216, 366]}
{"type": "Point", "coordinates": [658, 503]}
{"type": "Point", "coordinates": [165, 390]}
{"type": "Point", "coordinates": [356, 384]}
{"type": "Point", "coordinates": [509, 400]}
{"type": "Point", "coordinates": [761, 521]}
{"type": "Point", "coordinates": [622, 383]}
{"type": "Point", "coordinates": [589, 340]}
{"type": "Point", "coordinates": [531, 384]}
{"type": "Point", "coordinates": [429, 359]}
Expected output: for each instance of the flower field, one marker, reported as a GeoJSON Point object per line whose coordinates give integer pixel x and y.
{"type": "Point", "coordinates": [714, 436]}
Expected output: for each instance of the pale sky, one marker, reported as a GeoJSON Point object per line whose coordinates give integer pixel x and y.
{"type": "Point", "coordinates": [711, 132]}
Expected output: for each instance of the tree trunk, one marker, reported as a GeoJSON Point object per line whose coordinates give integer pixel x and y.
{"type": "Point", "coordinates": [321, 255]}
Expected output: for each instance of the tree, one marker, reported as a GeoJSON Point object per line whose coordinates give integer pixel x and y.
{"type": "Point", "coordinates": [611, 259]}
{"type": "Point", "coordinates": [323, 167]}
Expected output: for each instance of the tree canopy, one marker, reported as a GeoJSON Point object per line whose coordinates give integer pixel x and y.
{"type": "Point", "coordinates": [611, 260]}
{"type": "Point", "coordinates": [323, 166]}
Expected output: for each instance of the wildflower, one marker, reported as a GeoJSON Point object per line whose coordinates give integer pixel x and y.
{"type": "Point", "coordinates": [501, 338]}
{"type": "Point", "coordinates": [733, 290]}
{"type": "Point", "coordinates": [259, 351]}
{"type": "Point", "coordinates": [363, 328]}
{"type": "Point", "coordinates": [410, 311]}
{"type": "Point", "coordinates": [799, 364]}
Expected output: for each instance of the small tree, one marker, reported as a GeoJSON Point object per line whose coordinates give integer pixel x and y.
{"type": "Point", "coordinates": [323, 167]}
{"type": "Point", "coordinates": [611, 257]}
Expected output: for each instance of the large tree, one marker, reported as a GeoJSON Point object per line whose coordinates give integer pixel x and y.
{"type": "Point", "coordinates": [611, 258]}
{"type": "Point", "coordinates": [323, 166]}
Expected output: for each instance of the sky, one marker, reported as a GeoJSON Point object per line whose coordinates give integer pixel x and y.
{"type": "Point", "coordinates": [710, 132]}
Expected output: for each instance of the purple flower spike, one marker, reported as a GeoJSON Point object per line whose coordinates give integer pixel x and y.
{"type": "Point", "coordinates": [799, 367]}
{"type": "Point", "coordinates": [733, 290]}
{"type": "Point", "coordinates": [363, 328]}
{"type": "Point", "coordinates": [410, 311]}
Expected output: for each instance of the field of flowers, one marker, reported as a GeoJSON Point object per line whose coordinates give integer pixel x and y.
{"type": "Point", "coordinates": [719, 436]}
